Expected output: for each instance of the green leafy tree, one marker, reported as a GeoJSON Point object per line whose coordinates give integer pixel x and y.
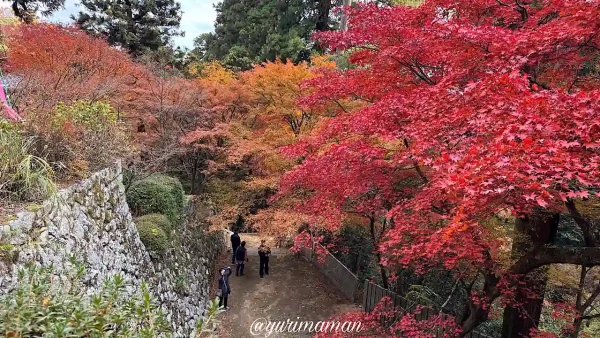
{"type": "Point", "coordinates": [137, 25]}
{"type": "Point", "coordinates": [253, 31]}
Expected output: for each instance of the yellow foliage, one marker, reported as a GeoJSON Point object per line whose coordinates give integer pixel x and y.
{"type": "Point", "coordinates": [268, 95]}
{"type": "Point", "coordinates": [589, 208]}
{"type": "Point", "coordinates": [275, 88]}
{"type": "Point", "coordinates": [322, 61]}
{"type": "Point", "coordinates": [212, 72]}
{"type": "Point", "coordinates": [564, 276]}
{"type": "Point", "coordinates": [411, 3]}
{"type": "Point", "coordinates": [7, 17]}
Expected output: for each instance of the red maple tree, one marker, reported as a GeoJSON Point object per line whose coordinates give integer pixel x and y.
{"type": "Point", "coordinates": [62, 64]}
{"type": "Point", "coordinates": [495, 106]}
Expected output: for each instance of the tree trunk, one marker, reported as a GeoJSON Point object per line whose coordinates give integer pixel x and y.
{"type": "Point", "coordinates": [323, 9]}
{"type": "Point", "coordinates": [530, 232]}
{"type": "Point", "coordinates": [576, 327]}
{"type": "Point", "coordinates": [344, 23]}
{"type": "Point", "coordinates": [194, 171]}
{"type": "Point", "coordinates": [384, 280]}
{"type": "Point", "coordinates": [578, 304]}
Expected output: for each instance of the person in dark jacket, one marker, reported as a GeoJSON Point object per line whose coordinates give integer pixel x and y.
{"type": "Point", "coordinates": [235, 243]}
{"type": "Point", "coordinates": [263, 253]}
{"type": "Point", "coordinates": [241, 257]}
{"type": "Point", "coordinates": [224, 288]}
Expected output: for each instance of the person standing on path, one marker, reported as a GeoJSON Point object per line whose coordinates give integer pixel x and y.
{"type": "Point", "coordinates": [263, 253]}
{"type": "Point", "coordinates": [241, 257]}
{"type": "Point", "coordinates": [235, 243]}
{"type": "Point", "coordinates": [224, 288]}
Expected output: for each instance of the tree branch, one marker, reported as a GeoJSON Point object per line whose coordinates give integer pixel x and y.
{"type": "Point", "coordinates": [597, 315]}
{"type": "Point", "coordinates": [554, 255]}
{"type": "Point", "coordinates": [522, 10]}
{"type": "Point", "coordinates": [412, 69]}
{"type": "Point", "coordinates": [450, 295]}
{"type": "Point", "coordinates": [591, 299]}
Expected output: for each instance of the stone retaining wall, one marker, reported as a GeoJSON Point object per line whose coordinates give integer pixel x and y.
{"type": "Point", "coordinates": [91, 221]}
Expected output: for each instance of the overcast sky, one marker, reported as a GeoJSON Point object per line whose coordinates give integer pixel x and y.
{"type": "Point", "coordinates": [198, 17]}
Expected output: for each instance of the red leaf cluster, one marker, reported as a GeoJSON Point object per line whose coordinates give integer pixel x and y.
{"type": "Point", "coordinates": [496, 105]}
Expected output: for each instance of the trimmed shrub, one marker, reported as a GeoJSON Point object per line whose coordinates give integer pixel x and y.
{"type": "Point", "coordinates": [156, 220]}
{"type": "Point", "coordinates": [46, 305]}
{"type": "Point", "coordinates": [157, 194]}
{"type": "Point", "coordinates": [154, 238]}
{"type": "Point", "coordinates": [176, 189]}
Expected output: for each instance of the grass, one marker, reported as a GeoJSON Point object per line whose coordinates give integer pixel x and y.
{"type": "Point", "coordinates": [23, 176]}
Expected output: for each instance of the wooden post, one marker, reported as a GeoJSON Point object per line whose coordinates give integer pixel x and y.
{"type": "Point", "coordinates": [365, 293]}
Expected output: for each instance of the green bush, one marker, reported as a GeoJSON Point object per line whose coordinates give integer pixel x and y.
{"type": "Point", "coordinates": [156, 220]}
{"type": "Point", "coordinates": [128, 177]}
{"type": "Point", "coordinates": [175, 187]}
{"type": "Point", "coordinates": [46, 305]}
{"type": "Point", "coordinates": [153, 237]}
{"type": "Point", "coordinates": [79, 137]}
{"type": "Point", "coordinates": [22, 175]}
{"type": "Point", "coordinates": [157, 194]}
{"type": "Point", "coordinates": [95, 116]}
{"type": "Point", "coordinates": [207, 324]}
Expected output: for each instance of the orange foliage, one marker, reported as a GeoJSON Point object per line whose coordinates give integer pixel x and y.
{"type": "Point", "coordinates": [63, 64]}
{"type": "Point", "coordinates": [222, 92]}
{"type": "Point", "coordinates": [255, 114]}
{"type": "Point", "coordinates": [215, 121]}
{"type": "Point", "coordinates": [276, 88]}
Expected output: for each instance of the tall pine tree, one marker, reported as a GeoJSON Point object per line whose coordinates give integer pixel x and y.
{"type": "Point", "coordinates": [136, 25]}
{"type": "Point", "coordinates": [26, 9]}
{"type": "Point", "coordinates": [251, 31]}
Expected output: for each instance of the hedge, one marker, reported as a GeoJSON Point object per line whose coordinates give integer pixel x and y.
{"type": "Point", "coordinates": [154, 238]}
{"type": "Point", "coordinates": [156, 220]}
{"type": "Point", "coordinates": [157, 194]}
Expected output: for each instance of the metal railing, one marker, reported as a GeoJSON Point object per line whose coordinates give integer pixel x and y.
{"type": "Point", "coordinates": [374, 293]}
{"type": "Point", "coordinates": [346, 282]}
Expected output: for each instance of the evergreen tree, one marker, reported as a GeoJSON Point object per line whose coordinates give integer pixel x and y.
{"type": "Point", "coordinates": [26, 9]}
{"type": "Point", "coordinates": [137, 25]}
{"type": "Point", "coordinates": [251, 31]}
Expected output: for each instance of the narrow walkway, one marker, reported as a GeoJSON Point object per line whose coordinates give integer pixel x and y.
{"type": "Point", "coordinates": [293, 290]}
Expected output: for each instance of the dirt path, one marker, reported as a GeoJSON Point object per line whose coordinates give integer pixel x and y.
{"type": "Point", "coordinates": [293, 290]}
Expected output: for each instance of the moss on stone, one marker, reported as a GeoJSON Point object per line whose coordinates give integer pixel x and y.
{"type": "Point", "coordinates": [180, 285]}
{"type": "Point", "coordinates": [8, 253]}
{"type": "Point", "coordinates": [33, 207]}
{"type": "Point", "coordinates": [78, 198]}
{"type": "Point", "coordinates": [98, 192]}
{"type": "Point", "coordinates": [8, 218]}
{"type": "Point", "coordinates": [6, 247]}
